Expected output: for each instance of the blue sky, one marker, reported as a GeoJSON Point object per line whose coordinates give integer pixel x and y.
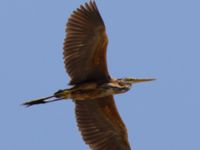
{"type": "Point", "coordinates": [154, 38]}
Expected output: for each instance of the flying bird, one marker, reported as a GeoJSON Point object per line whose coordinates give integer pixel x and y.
{"type": "Point", "coordinates": [92, 87]}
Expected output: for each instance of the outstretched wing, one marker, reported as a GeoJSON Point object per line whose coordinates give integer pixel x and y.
{"type": "Point", "coordinates": [85, 45]}
{"type": "Point", "coordinates": [101, 125]}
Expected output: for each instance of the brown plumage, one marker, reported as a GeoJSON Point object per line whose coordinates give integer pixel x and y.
{"type": "Point", "coordinates": [100, 124]}
{"type": "Point", "coordinates": [85, 46]}
{"type": "Point", "coordinates": [85, 59]}
{"type": "Point", "coordinates": [92, 87]}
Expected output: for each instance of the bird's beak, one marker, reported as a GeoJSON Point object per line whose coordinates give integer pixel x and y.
{"type": "Point", "coordinates": [142, 80]}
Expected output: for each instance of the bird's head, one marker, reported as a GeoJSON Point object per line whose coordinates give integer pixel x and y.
{"type": "Point", "coordinates": [131, 81]}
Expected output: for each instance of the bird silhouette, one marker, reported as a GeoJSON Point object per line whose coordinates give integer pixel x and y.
{"type": "Point", "coordinates": [92, 87]}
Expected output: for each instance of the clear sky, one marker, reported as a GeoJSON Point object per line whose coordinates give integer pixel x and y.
{"type": "Point", "coordinates": [154, 38]}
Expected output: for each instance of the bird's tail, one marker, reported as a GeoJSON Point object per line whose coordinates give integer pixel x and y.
{"type": "Point", "coordinates": [59, 95]}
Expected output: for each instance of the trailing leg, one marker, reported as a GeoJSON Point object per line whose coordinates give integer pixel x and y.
{"type": "Point", "coordinates": [59, 95]}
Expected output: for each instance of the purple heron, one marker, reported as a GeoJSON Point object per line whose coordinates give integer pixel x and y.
{"type": "Point", "coordinates": [92, 87]}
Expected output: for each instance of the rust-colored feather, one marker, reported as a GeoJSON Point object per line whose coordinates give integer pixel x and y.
{"type": "Point", "coordinates": [100, 124]}
{"type": "Point", "coordinates": [85, 61]}
{"type": "Point", "coordinates": [85, 46]}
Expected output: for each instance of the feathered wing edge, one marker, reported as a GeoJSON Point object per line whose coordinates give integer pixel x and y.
{"type": "Point", "coordinates": [85, 45]}
{"type": "Point", "coordinates": [101, 125]}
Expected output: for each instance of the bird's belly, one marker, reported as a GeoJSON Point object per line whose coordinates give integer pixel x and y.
{"type": "Point", "coordinates": [91, 94]}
